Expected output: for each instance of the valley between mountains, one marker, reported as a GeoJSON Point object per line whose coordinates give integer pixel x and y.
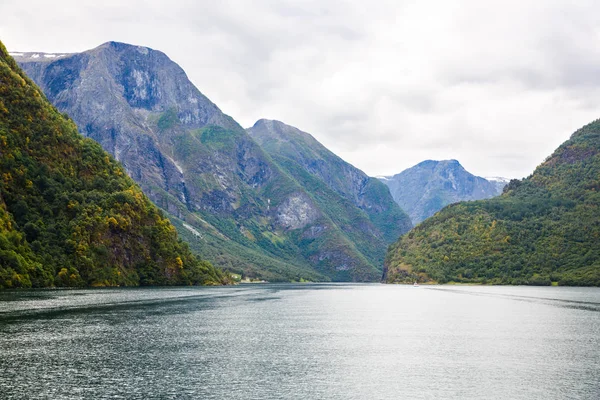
{"type": "Point", "coordinates": [241, 203]}
{"type": "Point", "coordinates": [264, 203]}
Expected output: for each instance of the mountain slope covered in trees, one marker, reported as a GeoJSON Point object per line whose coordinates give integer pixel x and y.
{"type": "Point", "coordinates": [69, 215]}
{"type": "Point", "coordinates": [543, 229]}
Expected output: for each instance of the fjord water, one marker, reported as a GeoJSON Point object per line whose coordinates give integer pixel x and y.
{"type": "Point", "coordinates": [322, 341]}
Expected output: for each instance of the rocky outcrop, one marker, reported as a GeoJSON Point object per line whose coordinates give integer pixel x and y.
{"type": "Point", "coordinates": [296, 212]}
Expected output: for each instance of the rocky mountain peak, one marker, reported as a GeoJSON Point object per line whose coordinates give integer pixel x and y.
{"type": "Point", "coordinates": [430, 185]}
{"type": "Point", "coordinates": [293, 146]}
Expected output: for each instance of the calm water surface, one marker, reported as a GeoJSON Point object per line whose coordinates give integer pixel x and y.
{"type": "Point", "coordinates": [323, 341]}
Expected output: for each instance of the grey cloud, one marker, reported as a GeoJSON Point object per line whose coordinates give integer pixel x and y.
{"type": "Point", "coordinates": [385, 84]}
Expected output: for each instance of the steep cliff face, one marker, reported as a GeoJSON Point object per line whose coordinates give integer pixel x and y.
{"type": "Point", "coordinates": [427, 187]}
{"type": "Point", "coordinates": [69, 216]}
{"type": "Point", "coordinates": [137, 104]}
{"type": "Point", "coordinates": [225, 194]}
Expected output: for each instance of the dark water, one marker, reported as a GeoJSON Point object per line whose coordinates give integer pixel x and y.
{"type": "Point", "coordinates": [301, 342]}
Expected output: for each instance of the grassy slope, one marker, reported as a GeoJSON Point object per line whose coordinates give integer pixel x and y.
{"type": "Point", "coordinates": [260, 253]}
{"type": "Point", "coordinates": [347, 222]}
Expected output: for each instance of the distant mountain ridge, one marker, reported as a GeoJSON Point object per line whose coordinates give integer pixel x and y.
{"type": "Point", "coordinates": [499, 182]}
{"type": "Point", "coordinates": [429, 186]}
{"type": "Point", "coordinates": [226, 195]}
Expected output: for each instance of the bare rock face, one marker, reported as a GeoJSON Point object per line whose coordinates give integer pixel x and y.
{"type": "Point", "coordinates": [199, 165]}
{"type": "Point", "coordinates": [296, 212]}
{"type": "Point", "coordinates": [134, 101]}
{"type": "Point", "coordinates": [429, 186]}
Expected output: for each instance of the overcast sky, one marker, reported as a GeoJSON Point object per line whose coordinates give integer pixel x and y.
{"type": "Point", "coordinates": [497, 85]}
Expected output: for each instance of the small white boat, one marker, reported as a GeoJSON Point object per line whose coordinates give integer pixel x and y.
{"type": "Point", "coordinates": [415, 284]}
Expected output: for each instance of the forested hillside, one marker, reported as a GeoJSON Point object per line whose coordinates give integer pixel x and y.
{"type": "Point", "coordinates": [543, 229]}
{"type": "Point", "coordinates": [69, 215]}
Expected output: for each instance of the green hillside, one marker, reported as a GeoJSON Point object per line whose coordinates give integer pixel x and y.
{"type": "Point", "coordinates": [69, 215]}
{"type": "Point", "coordinates": [543, 229]}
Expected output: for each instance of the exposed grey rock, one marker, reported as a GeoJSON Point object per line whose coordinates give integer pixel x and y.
{"type": "Point", "coordinates": [499, 182]}
{"type": "Point", "coordinates": [385, 219]}
{"type": "Point", "coordinates": [297, 211]}
{"type": "Point", "coordinates": [429, 186]}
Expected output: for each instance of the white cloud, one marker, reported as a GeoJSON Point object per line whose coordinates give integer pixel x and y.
{"type": "Point", "coordinates": [384, 84]}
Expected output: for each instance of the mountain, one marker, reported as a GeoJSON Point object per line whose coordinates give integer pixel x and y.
{"type": "Point", "coordinates": [354, 202]}
{"type": "Point", "coordinates": [69, 215]}
{"type": "Point", "coordinates": [430, 185]}
{"type": "Point", "coordinates": [543, 229]}
{"type": "Point", "coordinates": [224, 193]}
{"type": "Point", "coordinates": [499, 182]}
